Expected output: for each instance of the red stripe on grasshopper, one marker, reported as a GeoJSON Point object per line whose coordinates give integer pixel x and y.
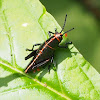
{"type": "Point", "coordinates": [40, 52]}
{"type": "Point", "coordinates": [48, 45]}
{"type": "Point", "coordinates": [57, 35]}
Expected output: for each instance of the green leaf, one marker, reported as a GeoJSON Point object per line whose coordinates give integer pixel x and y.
{"type": "Point", "coordinates": [22, 24]}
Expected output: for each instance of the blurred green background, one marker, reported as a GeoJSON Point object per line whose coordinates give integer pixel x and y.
{"type": "Point", "coordinates": [84, 16]}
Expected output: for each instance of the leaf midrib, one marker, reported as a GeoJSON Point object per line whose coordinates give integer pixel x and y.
{"type": "Point", "coordinates": [35, 80]}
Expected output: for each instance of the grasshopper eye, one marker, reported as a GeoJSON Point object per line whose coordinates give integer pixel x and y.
{"type": "Point", "coordinates": [65, 34]}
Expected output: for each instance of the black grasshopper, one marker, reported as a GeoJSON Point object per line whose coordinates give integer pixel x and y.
{"type": "Point", "coordinates": [45, 52]}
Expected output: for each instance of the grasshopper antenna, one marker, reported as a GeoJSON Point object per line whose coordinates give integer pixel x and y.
{"type": "Point", "coordinates": [68, 31]}
{"type": "Point", "coordinates": [64, 23]}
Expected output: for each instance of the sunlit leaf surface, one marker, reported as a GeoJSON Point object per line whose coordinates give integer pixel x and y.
{"type": "Point", "coordinates": [22, 24]}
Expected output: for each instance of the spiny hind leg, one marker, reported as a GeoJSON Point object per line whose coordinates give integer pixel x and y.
{"type": "Point", "coordinates": [40, 64]}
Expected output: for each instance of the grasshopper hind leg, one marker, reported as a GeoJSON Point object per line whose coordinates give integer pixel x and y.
{"type": "Point", "coordinates": [33, 53]}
